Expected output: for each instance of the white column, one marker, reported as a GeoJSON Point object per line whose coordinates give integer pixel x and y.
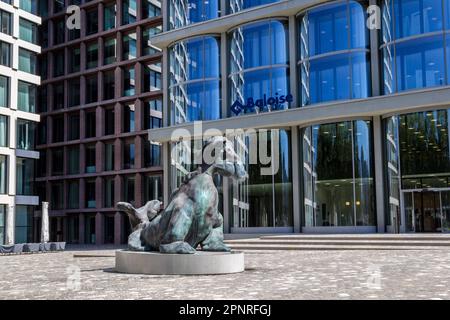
{"type": "Point", "coordinates": [379, 173]}
{"type": "Point", "coordinates": [45, 236]}
{"type": "Point", "coordinates": [10, 222]}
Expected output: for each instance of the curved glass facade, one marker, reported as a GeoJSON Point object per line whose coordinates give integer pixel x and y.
{"type": "Point", "coordinates": [334, 53]}
{"type": "Point", "coordinates": [186, 12]}
{"type": "Point", "coordinates": [238, 5]}
{"type": "Point", "coordinates": [338, 175]}
{"type": "Point", "coordinates": [194, 80]}
{"type": "Point", "coordinates": [264, 199]}
{"type": "Point", "coordinates": [415, 44]}
{"type": "Point", "coordinates": [259, 66]}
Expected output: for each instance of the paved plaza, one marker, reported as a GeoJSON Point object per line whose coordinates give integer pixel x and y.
{"type": "Point", "coordinates": [344, 274]}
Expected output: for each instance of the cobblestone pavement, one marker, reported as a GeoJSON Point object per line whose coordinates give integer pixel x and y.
{"type": "Point", "coordinates": [415, 274]}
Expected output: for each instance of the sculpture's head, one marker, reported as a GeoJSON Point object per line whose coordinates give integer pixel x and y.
{"type": "Point", "coordinates": [226, 161]}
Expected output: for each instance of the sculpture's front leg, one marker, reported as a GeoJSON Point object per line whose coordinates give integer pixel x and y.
{"type": "Point", "coordinates": [173, 240]}
{"type": "Point", "coordinates": [214, 241]}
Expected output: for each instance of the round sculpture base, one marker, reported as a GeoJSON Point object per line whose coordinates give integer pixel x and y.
{"type": "Point", "coordinates": [201, 262]}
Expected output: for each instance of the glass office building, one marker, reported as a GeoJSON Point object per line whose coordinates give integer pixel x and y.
{"type": "Point", "coordinates": [345, 100]}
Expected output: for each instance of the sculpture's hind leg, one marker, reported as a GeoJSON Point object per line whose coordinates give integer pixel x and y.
{"type": "Point", "coordinates": [214, 241]}
{"type": "Point", "coordinates": [173, 241]}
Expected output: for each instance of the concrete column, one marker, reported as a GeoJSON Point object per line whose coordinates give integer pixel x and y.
{"type": "Point", "coordinates": [117, 228]}
{"type": "Point", "coordinates": [374, 58]}
{"type": "Point", "coordinates": [223, 7]}
{"type": "Point", "coordinates": [99, 228]}
{"type": "Point", "coordinates": [293, 78]}
{"type": "Point", "coordinates": [45, 235]}
{"type": "Point", "coordinates": [167, 174]}
{"type": "Point", "coordinates": [296, 181]}
{"type": "Point", "coordinates": [380, 190]}
{"type": "Point", "coordinates": [10, 224]}
{"type": "Point", "coordinates": [224, 75]}
{"type": "Point", "coordinates": [165, 148]}
{"type": "Point", "coordinates": [165, 15]}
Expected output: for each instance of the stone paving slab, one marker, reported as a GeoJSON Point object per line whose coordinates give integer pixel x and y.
{"type": "Point", "coordinates": [358, 274]}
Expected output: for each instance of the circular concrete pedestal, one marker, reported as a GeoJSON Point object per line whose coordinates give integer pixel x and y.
{"type": "Point", "coordinates": [201, 262]}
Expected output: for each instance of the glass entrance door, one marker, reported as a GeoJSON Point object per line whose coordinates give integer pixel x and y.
{"type": "Point", "coordinates": [427, 210]}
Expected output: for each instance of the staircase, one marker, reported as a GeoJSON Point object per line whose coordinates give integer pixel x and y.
{"type": "Point", "coordinates": [344, 242]}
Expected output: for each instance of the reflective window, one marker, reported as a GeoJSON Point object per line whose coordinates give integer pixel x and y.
{"type": "Point", "coordinates": [238, 5]}
{"type": "Point", "coordinates": [90, 158]}
{"type": "Point", "coordinates": [5, 54]}
{"type": "Point", "coordinates": [150, 9]}
{"type": "Point", "coordinates": [74, 127]}
{"type": "Point", "coordinates": [91, 89]}
{"type": "Point", "coordinates": [109, 54]}
{"type": "Point", "coordinates": [23, 231]}
{"type": "Point", "coordinates": [147, 34]}
{"type": "Point", "coordinates": [58, 5]}
{"type": "Point", "coordinates": [3, 131]}
{"type": "Point", "coordinates": [92, 21]}
{"type": "Point", "coordinates": [128, 118]}
{"type": "Point", "coordinates": [26, 100]}
{"type": "Point", "coordinates": [4, 93]}
{"type": "Point", "coordinates": [186, 12]}
{"type": "Point", "coordinates": [128, 11]}
{"type": "Point", "coordinates": [57, 161]}
{"type": "Point", "coordinates": [109, 193]}
{"type": "Point", "coordinates": [25, 176]}
{"type": "Point", "coordinates": [129, 81]}
{"type": "Point", "coordinates": [25, 134]}
{"type": "Point", "coordinates": [29, 6]}
{"type": "Point", "coordinates": [27, 61]}
{"type": "Point", "coordinates": [59, 29]}
{"type": "Point", "coordinates": [27, 31]}
{"type": "Point", "coordinates": [334, 53]}
{"type": "Point", "coordinates": [109, 16]}
{"type": "Point", "coordinates": [194, 78]}
{"type": "Point", "coordinates": [152, 154]}
{"type": "Point", "coordinates": [58, 128]}
{"type": "Point", "coordinates": [74, 92]}
{"type": "Point", "coordinates": [5, 22]}
{"type": "Point", "coordinates": [109, 85]}
{"type": "Point", "coordinates": [73, 160]}
{"type": "Point", "coordinates": [58, 96]}
{"type": "Point", "coordinates": [152, 77]}
{"type": "Point", "coordinates": [74, 59]}
{"type": "Point", "coordinates": [3, 174]}
{"type": "Point", "coordinates": [73, 195]}
{"type": "Point", "coordinates": [264, 199]}
{"type": "Point", "coordinates": [338, 175]}
{"type": "Point", "coordinates": [58, 66]}
{"type": "Point", "coordinates": [152, 188]}
{"type": "Point", "coordinates": [259, 67]}
{"type": "Point", "coordinates": [129, 46]}
{"type": "Point", "coordinates": [92, 55]}
{"type": "Point", "coordinates": [91, 124]}
{"type": "Point", "coordinates": [413, 37]}
{"type": "Point", "coordinates": [128, 155]}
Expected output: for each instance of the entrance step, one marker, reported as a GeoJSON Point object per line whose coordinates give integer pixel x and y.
{"type": "Point", "coordinates": [343, 242]}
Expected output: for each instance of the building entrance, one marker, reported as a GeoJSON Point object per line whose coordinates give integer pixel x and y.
{"type": "Point", "coordinates": [426, 210]}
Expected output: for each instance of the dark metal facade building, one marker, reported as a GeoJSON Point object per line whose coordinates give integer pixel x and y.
{"type": "Point", "coordinates": [100, 93]}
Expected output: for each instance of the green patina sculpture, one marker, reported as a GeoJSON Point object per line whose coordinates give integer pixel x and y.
{"type": "Point", "coordinates": [191, 217]}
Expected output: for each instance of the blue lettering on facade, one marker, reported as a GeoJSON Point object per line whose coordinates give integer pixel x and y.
{"type": "Point", "coordinates": [263, 104]}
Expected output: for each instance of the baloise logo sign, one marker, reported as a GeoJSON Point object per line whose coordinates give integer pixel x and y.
{"type": "Point", "coordinates": [262, 105]}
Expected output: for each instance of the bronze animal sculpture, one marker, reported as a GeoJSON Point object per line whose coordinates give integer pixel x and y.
{"type": "Point", "coordinates": [191, 218]}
